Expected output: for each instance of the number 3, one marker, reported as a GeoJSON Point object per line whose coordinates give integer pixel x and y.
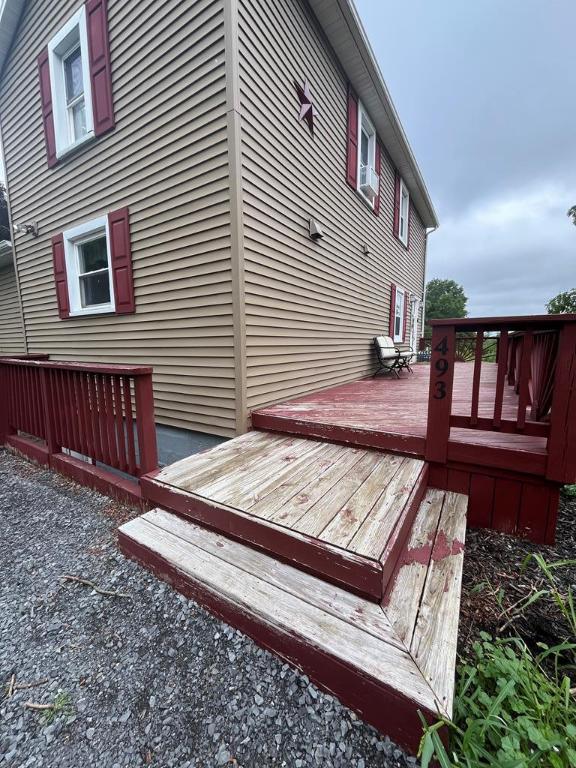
{"type": "Point", "coordinates": [440, 390]}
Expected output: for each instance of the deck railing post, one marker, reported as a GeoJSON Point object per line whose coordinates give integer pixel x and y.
{"type": "Point", "coordinates": [561, 463]}
{"type": "Point", "coordinates": [440, 392]}
{"type": "Point", "coordinates": [145, 424]}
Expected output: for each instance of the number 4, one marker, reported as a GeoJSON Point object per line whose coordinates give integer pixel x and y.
{"type": "Point", "coordinates": [442, 346]}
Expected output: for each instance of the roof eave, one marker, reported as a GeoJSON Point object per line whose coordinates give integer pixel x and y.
{"type": "Point", "coordinates": [344, 30]}
{"type": "Point", "coordinates": [10, 13]}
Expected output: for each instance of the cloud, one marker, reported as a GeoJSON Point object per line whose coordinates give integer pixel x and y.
{"type": "Point", "coordinates": [512, 253]}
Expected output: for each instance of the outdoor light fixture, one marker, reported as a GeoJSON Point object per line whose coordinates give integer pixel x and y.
{"type": "Point", "coordinates": [26, 229]}
{"type": "Point", "coordinates": [315, 230]}
{"type": "Point", "coordinates": [366, 249]}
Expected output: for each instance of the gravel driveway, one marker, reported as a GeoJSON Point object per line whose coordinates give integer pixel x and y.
{"type": "Point", "coordinates": [150, 679]}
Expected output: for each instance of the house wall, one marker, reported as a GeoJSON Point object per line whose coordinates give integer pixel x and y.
{"type": "Point", "coordinates": [11, 328]}
{"type": "Point", "coordinates": [167, 161]}
{"type": "Point", "coordinates": [311, 308]}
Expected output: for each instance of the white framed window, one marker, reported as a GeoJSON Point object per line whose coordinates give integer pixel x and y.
{"type": "Point", "coordinates": [399, 315]}
{"type": "Point", "coordinates": [88, 268]}
{"type": "Point", "coordinates": [70, 84]}
{"type": "Point", "coordinates": [404, 213]}
{"type": "Point", "coordinates": [368, 181]}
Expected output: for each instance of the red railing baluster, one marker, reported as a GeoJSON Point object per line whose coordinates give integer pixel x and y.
{"type": "Point", "coordinates": [129, 425]}
{"type": "Point", "coordinates": [478, 352]}
{"type": "Point", "coordinates": [98, 452]}
{"type": "Point", "coordinates": [119, 418]}
{"type": "Point", "coordinates": [503, 359]}
{"type": "Point", "coordinates": [109, 421]}
{"type": "Point", "coordinates": [86, 413]}
{"type": "Point", "coordinates": [524, 379]}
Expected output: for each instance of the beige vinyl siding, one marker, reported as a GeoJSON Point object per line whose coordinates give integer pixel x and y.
{"type": "Point", "coordinates": [311, 308]}
{"type": "Point", "coordinates": [167, 160]}
{"type": "Point", "coordinates": [11, 328]}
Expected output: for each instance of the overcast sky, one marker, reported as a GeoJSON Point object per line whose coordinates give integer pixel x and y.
{"type": "Point", "coordinates": [486, 91]}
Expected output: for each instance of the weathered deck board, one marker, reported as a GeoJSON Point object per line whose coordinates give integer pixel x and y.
{"type": "Point", "coordinates": [387, 664]}
{"type": "Point", "coordinates": [439, 611]}
{"type": "Point", "coordinates": [301, 499]}
{"type": "Point", "coordinates": [378, 527]}
{"type": "Point", "coordinates": [424, 597]}
{"type": "Point", "coordinates": [319, 516]}
{"type": "Point", "coordinates": [338, 602]}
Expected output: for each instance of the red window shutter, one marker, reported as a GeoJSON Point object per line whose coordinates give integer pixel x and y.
{"type": "Point", "coordinates": [396, 204]}
{"type": "Point", "coordinates": [99, 62]}
{"type": "Point", "coordinates": [392, 309]}
{"type": "Point", "coordinates": [46, 101]}
{"type": "Point", "coordinates": [378, 166]}
{"type": "Point", "coordinates": [59, 261]}
{"type": "Point", "coordinates": [352, 140]}
{"type": "Point", "coordinates": [405, 325]}
{"type": "Point", "coordinates": [119, 228]}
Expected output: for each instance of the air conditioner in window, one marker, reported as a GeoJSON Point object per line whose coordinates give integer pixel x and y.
{"type": "Point", "coordinates": [369, 181]}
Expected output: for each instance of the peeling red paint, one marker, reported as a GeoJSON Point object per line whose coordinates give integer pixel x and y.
{"type": "Point", "coordinates": [435, 551]}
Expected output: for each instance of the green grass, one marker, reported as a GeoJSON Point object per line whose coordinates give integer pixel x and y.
{"type": "Point", "coordinates": [62, 705]}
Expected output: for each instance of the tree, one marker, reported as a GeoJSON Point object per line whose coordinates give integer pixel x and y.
{"type": "Point", "coordinates": [444, 298]}
{"type": "Point", "coordinates": [5, 233]}
{"type": "Point", "coordinates": [563, 303]}
{"type": "Point", "coordinates": [572, 214]}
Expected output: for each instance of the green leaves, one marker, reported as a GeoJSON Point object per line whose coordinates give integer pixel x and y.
{"type": "Point", "coordinates": [508, 713]}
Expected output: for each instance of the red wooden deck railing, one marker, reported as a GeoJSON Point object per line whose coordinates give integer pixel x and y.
{"type": "Point", "coordinates": [103, 412]}
{"type": "Point", "coordinates": [536, 356]}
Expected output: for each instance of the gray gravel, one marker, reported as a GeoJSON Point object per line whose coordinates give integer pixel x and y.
{"type": "Point", "coordinates": [152, 680]}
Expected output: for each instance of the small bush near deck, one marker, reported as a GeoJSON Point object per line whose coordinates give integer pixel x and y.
{"type": "Point", "coordinates": [508, 712]}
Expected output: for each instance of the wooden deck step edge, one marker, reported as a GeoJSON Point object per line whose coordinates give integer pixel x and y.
{"type": "Point", "coordinates": [339, 566]}
{"type": "Point", "coordinates": [348, 651]}
{"type": "Point", "coordinates": [401, 534]}
{"type": "Point", "coordinates": [423, 599]}
{"type": "Point", "coordinates": [352, 436]}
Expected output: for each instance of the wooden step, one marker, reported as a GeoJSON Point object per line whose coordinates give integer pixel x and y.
{"type": "Point", "coordinates": [386, 664]}
{"type": "Point", "coordinates": [339, 512]}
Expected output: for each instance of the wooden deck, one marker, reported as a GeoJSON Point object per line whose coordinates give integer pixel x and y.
{"type": "Point", "coordinates": [340, 512]}
{"type": "Point", "coordinates": [386, 663]}
{"type": "Point", "coordinates": [391, 414]}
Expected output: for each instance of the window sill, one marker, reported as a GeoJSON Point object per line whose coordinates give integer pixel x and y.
{"type": "Point", "coordinates": [108, 310]}
{"type": "Point", "coordinates": [402, 243]}
{"type": "Point", "coordinates": [77, 146]}
{"type": "Point", "coordinates": [365, 200]}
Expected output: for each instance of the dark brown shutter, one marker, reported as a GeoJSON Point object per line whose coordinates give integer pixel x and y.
{"type": "Point", "coordinates": [99, 62]}
{"type": "Point", "coordinates": [59, 262]}
{"type": "Point", "coordinates": [396, 204]}
{"type": "Point", "coordinates": [46, 101]}
{"type": "Point", "coordinates": [121, 256]}
{"type": "Point", "coordinates": [352, 140]}
{"type": "Point", "coordinates": [378, 166]}
{"type": "Point", "coordinates": [392, 310]}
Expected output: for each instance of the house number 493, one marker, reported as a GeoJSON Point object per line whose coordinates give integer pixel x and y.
{"type": "Point", "coordinates": [441, 367]}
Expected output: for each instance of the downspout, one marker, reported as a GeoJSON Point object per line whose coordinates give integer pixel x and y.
{"type": "Point", "coordinates": [12, 241]}
{"type": "Point", "coordinates": [423, 310]}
